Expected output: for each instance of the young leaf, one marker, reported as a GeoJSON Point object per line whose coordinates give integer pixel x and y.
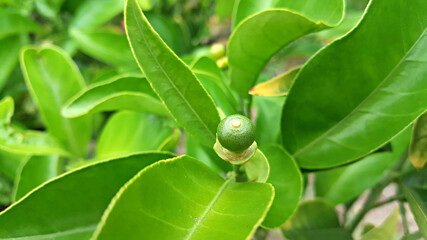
{"type": "Point", "coordinates": [315, 219]}
{"type": "Point", "coordinates": [107, 47]}
{"type": "Point", "coordinates": [418, 147]}
{"type": "Point", "coordinates": [125, 92]}
{"type": "Point", "coordinates": [80, 198]}
{"type": "Point", "coordinates": [52, 79]}
{"type": "Point", "coordinates": [387, 230]}
{"type": "Point", "coordinates": [278, 86]}
{"type": "Point", "coordinates": [9, 52]}
{"type": "Point", "coordinates": [330, 109]}
{"type": "Point", "coordinates": [129, 132]}
{"type": "Point", "coordinates": [181, 198]}
{"type": "Point", "coordinates": [272, 30]}
{"type": "Point", "coordinates": [257, 168]}
{"type": "Point", "coordinates": [343, 184]}
{"type": "Point", "coordinates": [33, 172]}
{"type": "Point", "coordinates": [173, 81]}
{"type": "Point", "coordinates": [417, 199]}
{"type": "Point", "coordinates": [13, 22]}
{"type": "Point", "coordinates": [287, 181]}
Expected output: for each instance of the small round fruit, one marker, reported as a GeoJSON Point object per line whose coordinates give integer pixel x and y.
{"type": "Point", "coordinates": [217, 51]}
{"type": "Point", "coordinates": [236, 133]}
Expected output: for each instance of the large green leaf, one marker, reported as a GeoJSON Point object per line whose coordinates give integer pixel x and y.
{"type": "Point", "coordinates": [173, 81]}
{"type": "Point", "coordinates": [183, 199]}
{"type": "Point", "coordinates": [315, 219]}
{"type": "Point", "coordinates": [287, 181]}
{"type": "Point", "coordinates": [13, 22]}
{"type": "Point", "coordinates": [35, 171]}
{"type": "Point", "coordinates": [9, 55]}
{"type": "Point", "coordinates": [26, 142]}
{"type": "Point", "coordinates": [417, 199]}
{"type": "Point", "coordinates": [53, 79]}
{"type": "Point", "coordinates": [129, 132]}
{"type": "Point", "coordinates": [257, 38]}
{"type": "Point", "coordinates": [333, 116]}
{"type": "Point", "coordinates": [70, 206]}
{"type": "Point", "coordinates": [387, 230]}
{"type": "Point", "coordinates": [342, 184]}
{"type": "Point", "coordinates": [123, 92]}
{"type": "Point", "coordinates": [108, 47]}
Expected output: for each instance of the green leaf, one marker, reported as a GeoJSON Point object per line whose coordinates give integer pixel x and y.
{"type": "Point", "coordinates": [52, 79]}
{"type": "Point", "coordinates": [287, 181]}
{"type": "Point", "coordinates": [129, 132]}
{"type": "Point", "coordinates": [182, 199]}
{"type": "Point", "coordinates": [49, 8]}
{"type": "Point", "coordinates": [13, 22]}
{"type": "Point", "coordinates": [273, 29]}
{"type": "Point", "coordinates": [418, 147]}
{"type": "Point", "coordinates": [10, 163]}
{"type": "Point", "coordinates": [278, 86]}
{"type": "Point", "coordinates": [257, 168]}
{"type": "Point", "coordinates": [93, 13]}
{"type": "Point", "coordinates": [268, 119]}
{"type": "Point", "coordinates": [211, 78]}
{"type": "Point", "coordinates": [107, 47]}
{"type": "Point", "coordinates": [332, 110]}
{"type": "Point", "coordinates": [343, 184]}
{"type": "Point", "coordinates": [173, 81]}
{"type": "Point", "coordinates": [417, 199]}
{"type": "Point", "coordinates": [79, 198]}
{"type": "Point", "coordinates": [27, 142]}
{"type": "Point", "coordinates": [245, 8]}
{"type": "Point", "coordinates": [387, 230]}
{"type": "Point", "coordinates": [315, 219]}
{"type": "Point", "coordinates": [9, 55]}
{"type": "Point", "coordinates": [224, 8]}
{"type": "Point", "coordinates": [35, 171]}
{"type": "Point", "coordinates": [123, 92]}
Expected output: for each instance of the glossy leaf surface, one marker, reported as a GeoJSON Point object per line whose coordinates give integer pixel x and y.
{"type": "Point", "coordinates": [129, 132]}
{"type": "Point", "coordinates": [52, 79]}
{"type": "Point", "coordinates": [257, 38]}
{"type": "Point", "coordinates": [268, 119]}
{"type": "Point", "coordinates": [315, 219]}
{"type": "Point", "coordinates": [35, 171]}
{"type": "Point", "coordinates": [418, 147]}
{"type": "Point", "coordinates": [77, 210]}
{"type": "Point", "coordinates": [119, 93]}
{"type": "Point", "coordinates": [183, 199]}
{"type": "Point", "coordinates": [387, 230]}
{"type": "Point", "coordinates": [173, 81]}
{"type": "Point", "coordinates": [278, 86]}
{"type": "Point", "coordinates": [332, 110]}
{"type": "Point", "coordinates": [287, 181]}
{"type": "Point", "coordinates": [108, 47]}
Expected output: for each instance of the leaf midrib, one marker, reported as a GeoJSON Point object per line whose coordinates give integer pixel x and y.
{"type": "Point", "coordinates": [167, 76]}
{"type": "Point", "coordinates": [321, 137]}
{"type": "Point", "coordinates": [208, 209]}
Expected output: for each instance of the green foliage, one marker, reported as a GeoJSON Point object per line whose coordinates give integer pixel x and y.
{"type": "Point", "coordinates": [110, 127]}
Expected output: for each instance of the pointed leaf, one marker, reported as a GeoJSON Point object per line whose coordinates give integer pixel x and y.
{"type": "Point", "coordinates": [278, 86]}
{"type": "Point", "coordinates": [173, 81]}
{"type": "Point", "coordinates": [129, 132]}
{"type": "Point", "coordinates": [80, 198]}
{"type": "Point", "coordinates": [35, 171]}
{"type": "Point", "coordinates": [418, 147]}
{"type": "Point", "coordinates": [257, 38]}
{"type": "Point", "coordinates": [315, 219]}
{"type": "Point", "coordinates": [387, 230]}
{"type": "Point", "coordinates": [53, 78]}
{"type": "Point", "coordinates": [124, 92]}
{"type": "Point", "coordinates": [332, 110]}
{"type": "Point", "coordinates": [287, 181]}
{"type": "Point", "coordinates": [182, 199]}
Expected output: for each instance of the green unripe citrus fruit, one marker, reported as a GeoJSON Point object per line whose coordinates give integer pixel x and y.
{"type": "Point", "coordinates": [217, 51]}
{"type": "Point", "coordinates": [236, 133]}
